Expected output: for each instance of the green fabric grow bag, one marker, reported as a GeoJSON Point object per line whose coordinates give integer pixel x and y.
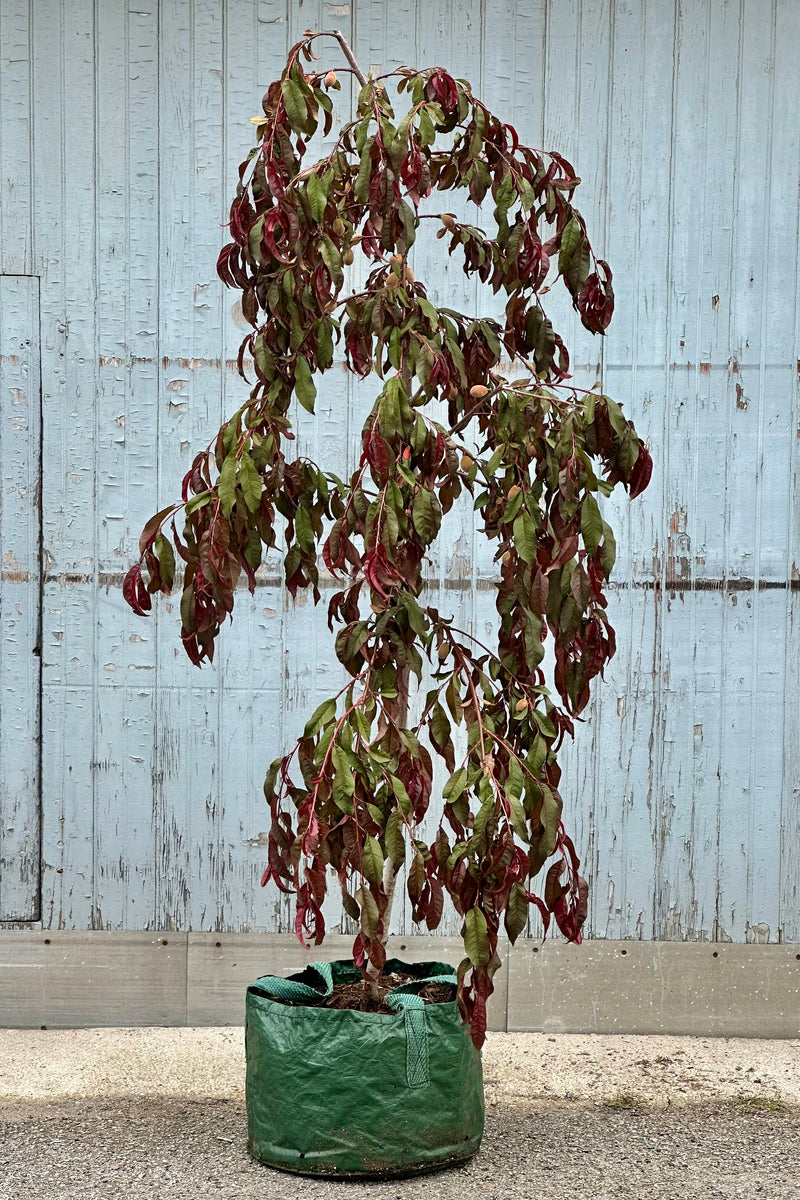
{"type": "Point", "coordinates": [339, 1092]}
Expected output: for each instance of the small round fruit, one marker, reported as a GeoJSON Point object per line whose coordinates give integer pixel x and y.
{"type": "Point", "coordinates": [478, 391]}
{"type": "Point", "coordinates": [521, 705]}
{"type": "Point", "coordinates": [513, 491]}
{"type": "Point", "coordinates": [330, 79]}
{"type": "Point", "coordinates": [466, 462]}
{"type": "Point", "coordinates": [348, 257]}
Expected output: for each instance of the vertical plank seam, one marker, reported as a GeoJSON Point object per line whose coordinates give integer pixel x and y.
{"type": "Point", "coordinates": [752, 916]}
{"type": "Point", "coordinates": [790, 734]}
{"type": "Point", "coordinates": [657, 728]}
{"type": "Point", "coordinates": [718, 929]}
{"type": "Point", "coordinates": [40, 592]}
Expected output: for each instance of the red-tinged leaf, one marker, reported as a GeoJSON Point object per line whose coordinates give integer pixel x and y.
{"type": "Point", "coordinates": [359, 952]}
{"type": "Point", "coordinates": [512, 136]}
{"type": "Point", "coordinates": [223, 265]}
{"type": "Point", "coordinates": [274, 180]}
{"type": "Point", "coordinates": [148, 534]}
{"type": "Point", "coordinates": [191, 647]}
{"type": "Point", "coordinates": [554, 889]}
{"type": "Point", "coordinates": [436, 906]}
{"type": "Point", "coordinates": [544, 912]}
{"type": "Point", "coordinates": [567, 551]}
{"type": "Point", "coordinates": [477, 1026]}
{"type": "Point", "coordinates": [134, 591]}
{"type": "Point", "coordinates": [377, 454]}
{"type": "Point", "coordinates": [377, 954]}
{"type": "Point", "coordinates": [641, 473]}
{"type": "Point", "coordinates": [540, 589]}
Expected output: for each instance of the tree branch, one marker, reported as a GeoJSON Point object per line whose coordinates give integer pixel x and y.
{"type": "Point", "coordinates": [351, 58]}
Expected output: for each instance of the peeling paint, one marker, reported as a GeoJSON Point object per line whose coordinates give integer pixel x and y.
{"type": "Point", "coordinates": [679, 567]}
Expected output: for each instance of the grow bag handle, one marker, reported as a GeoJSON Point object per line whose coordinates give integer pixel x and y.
{"type": "Point", "coordinates": [403, 999]}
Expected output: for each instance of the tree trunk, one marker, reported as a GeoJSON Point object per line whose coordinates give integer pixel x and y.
{"type": "Point", "coordinates": [398, 710]}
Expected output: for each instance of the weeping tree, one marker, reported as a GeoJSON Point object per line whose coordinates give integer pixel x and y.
{"type": "Point", "coordinates": [534, 452]}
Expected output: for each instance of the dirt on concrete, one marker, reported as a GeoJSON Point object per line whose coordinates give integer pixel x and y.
{"type": "Point", "coordinates": [124, 1114]}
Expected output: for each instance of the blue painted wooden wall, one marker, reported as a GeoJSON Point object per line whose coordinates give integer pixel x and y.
{"type": "Point", "coordinates": [121, 127]}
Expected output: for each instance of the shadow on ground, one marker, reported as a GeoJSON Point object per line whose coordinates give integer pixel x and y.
{"type": "Point", "coordinates": [132, 1147]}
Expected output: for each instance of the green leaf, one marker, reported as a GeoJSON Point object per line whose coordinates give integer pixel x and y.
{"type": "Point", "coordinates": [332, 259]}
{"type": "Point", "coordinates": [187, 609]}
{"type": "Point", "coordinates": [198, 501]}
{"type": "Point", "coordinates": [506, 195]}
{"type": "Point", "coordinates": [416, 877]}
{"type": "Point", "coordinates": [537, 755]}
{"type": "Point", "coordinates": [343, 782]}
{"type": "Point", "coordinates": [226, 486]}
{"type": "Point", "coordinates": [517, 912]}
{"type": "Point", "coordinates": [166, 560]}
{"type": "Point", "coordinates": [295, 102]}
{"type": "Point", "coordinates": [271, 779]}
{"type": "Point", "coordinates": [428, 311]}
{"type": "Point", "coordinates": [426, 513]}
{"type": "Point", "coordinates": [394, 838]}
{"type": "Point", "coordinates": [389, 419]}
{"type": "Point", "coordinates": [515, 781]}
{"type": "Point", "coordinates": [525, 539]}
{"type": "Point", "coordinates": [439, 726]}
{"type": "Point", "coordinates": [427, 134]}
{"type": "Point", "coordinates": [571, 238]}
{"type": "Point", "coordinates": [455, 785]}
{"type": "Point", "coordinates": [608, 553]}
{"type": "Point", "coordinates": [322, 715]}
{"type": "Point", "coordinates": [370, 917]}
{"type": "Point", "coordinates": [249, 482]}
{"type": "Point", "coordinates": [476, 940]}
{"type": "Point", "coordinates": [591, 523]}
{"type": "Point", "coordinates": [573, 258]}
{"type": "Point", "coordinates": [303, 530]}
{"type": "Point", "coordinates": [372, 862]}
{"type": "Point", "coordinates": [402, 796]}
{"type": "Point", "coordinates": [361, 190]}
{"type": "Point", "coordinates": [361, 723]}
{"type": "Point", "coordinates": [534, 649]}
{"type": "Point", "coordinates": [518, 819]}
{"type": "Point", "coordinates": [494, 462]}
{"type": "Point", "coordinates": [304, 384]}
{"type": "Point", "coordinates": [551, 815]}
{"type": "Point", "coordinates": [483, 816]}
{"type": "Point", "coordinates": [317, 194]}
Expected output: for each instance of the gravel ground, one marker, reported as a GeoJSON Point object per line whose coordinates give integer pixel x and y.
{"type": "Point", "coordinates": [123, 1114]}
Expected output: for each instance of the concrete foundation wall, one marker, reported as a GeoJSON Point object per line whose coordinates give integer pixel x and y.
{"type": "Point", "coordinates": [92, 979]}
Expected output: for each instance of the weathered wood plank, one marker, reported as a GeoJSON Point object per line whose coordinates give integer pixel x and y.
{"type": "Point", "coordinates": [65, 213]}
{"type": "Point", "coordinates": [20, 603]}
{"type": "Point", "coordinates": [16, 134]}
{"type": "Point", "coordinates": [127, 405]}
